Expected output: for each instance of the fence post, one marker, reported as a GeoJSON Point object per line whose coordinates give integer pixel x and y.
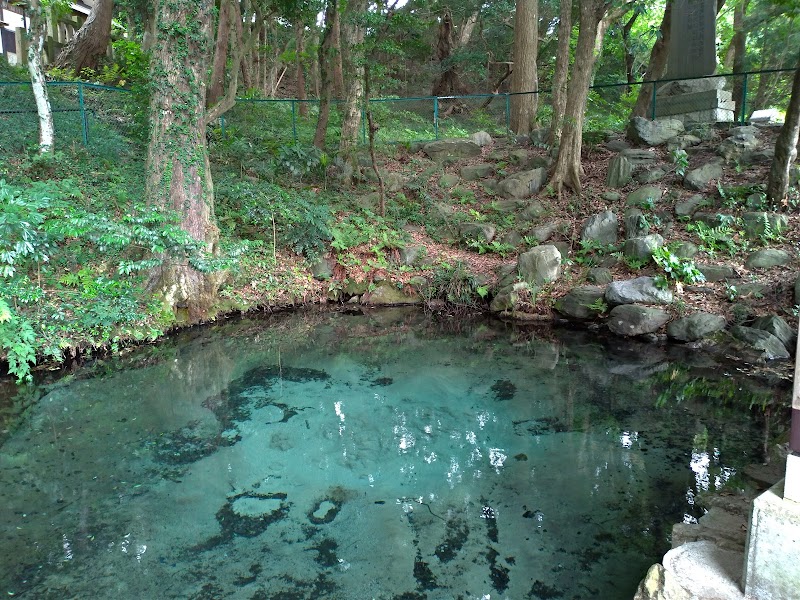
{"type": "Point", "coordinates": [508, 113]}
{"type": "Point", "coordinates": [84, 124]}
{"type": "Point", "coordinates": [294, 120]}
{"type": "Point", "coordinates": [436, 117]}
{"type": "Point", "coordinates": [744, 99]}
{"type": "Point", "coordinates": [653, 109]}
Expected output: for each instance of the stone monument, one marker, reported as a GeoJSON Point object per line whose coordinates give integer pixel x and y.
{"type": "Point", "coordinates": [692, 55]}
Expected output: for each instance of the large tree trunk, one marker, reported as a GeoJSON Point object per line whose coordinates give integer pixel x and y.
{"type": "Point", "coordinates": [559, 99]}
{"type": "Point", "coordinates": [786, 146]}
{"type": "Point", "coordinates": [352, 41]}
{"type": "Point", "coordinates": [739, 44]}
{"type": "Point", "coordinates": [524, 78]}
{"type": "Point", "coordinates": [90, 42]}
{"type": "Point", "coordinates": [568, 170]}
{"type": "Point", "coordinates": [299, 37]}
{"type": "Point", "coordinates": [327, 58]}
{"type": "Point", "coordinates": [448, 83]}
{"type": "Point", "coordinates": [37, 33]}
{"type": "Point", "coordinates": [656, 66]}
{"type": "Point", "coordinates": [178, 170]}
{"type": "Point", "coordinates": [216, 86]}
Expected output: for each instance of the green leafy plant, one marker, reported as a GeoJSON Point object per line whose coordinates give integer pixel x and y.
{"type": "Point", "coordinates": [494, 246]}
{"type": "Point", "coordinates": [680, 161]}
{"type": "Point", "coordinates": [300, 161]}
{"type": "Point", "coordinates": [676, 269]}
{"type": "Point", "coordinates": [600, 306]}
{"type": "Point", "coordinates": [722, 238]}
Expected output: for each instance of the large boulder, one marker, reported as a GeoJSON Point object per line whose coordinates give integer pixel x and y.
{"type": "Point", "coordinates": [579, 301]}
{"type": "Point", "coordinates": [758, 224]}
{"type": "Point", "coordinates": [771, 348]}
{"type": "Point", "coordinates": [451, 148]}
{"type": "Point", "coordinates": [387, 293]}
{"type": "Point", "coordinates": [698, 179]}
{"type": "Point", "coordinates": [646, 196]}
{"type": "Point", "coordinates": [540, 265]}
{"type": "Point", "coordinates": [522, 184]}
{"type": "Point", "coordinates": [482, 138]}
{"type": "Point", "coordinates": [742, 141]}
{"type": "Point", "coordinates": [767, 258]}
{"type": "Point", "coordinates": [620, 172]}
{"type": "Point", "coordinates": [475, 172]}
{"type": "Point", "coordinates": [642, 290]}
{"type": "Point", "coordinates": [601, 228]}
{"type": "Point", "coordinates": [483, 232]}
{"type": "Point", "coordinates": [688, 207]}
{"type": "Point", "coordinates": [714, 273]}
{"type": "Point", "coordinates": [632, 319]}
{"type": "Point", "coordinates": [779, 328]}
{"type": "Point", "coordinates": [642, 248]}
{"type": "Point", "coordinates": [695, 327]}
{"type": "Point", "coordinates": [636, 224]}
{"type": "Point", "coordinates": [653, 133]}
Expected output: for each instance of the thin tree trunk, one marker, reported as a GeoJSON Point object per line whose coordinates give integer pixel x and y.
{"type": "Point", "coordinates": [90, 42]}
{"type": "Point", "coordinates": [626, 40]}
{"type": "Point", "coordinates": [217, 82]}
{"type": "Point", "coordinates": [327, 68]}
{"type": "Point", "coordinates": [37, 33]}
{"type": "Point", "coordinates": [568, 170]}
{"type": "Point", "coordinates": [786, 146]}
{"type": "Point", "coordinates": [178, 169]}
{"type": "Point", "coordinates": [352, 39]}
{"type": "Point", "coordinates": [656, 66]}
{"type": "Point", "coordinates": [739, 44]}
{"type": "Point", "coordinates": [525, 78]}
{"type": "Point", "coordinates": [337, 53]}
{"type": "Point", "coordinates": [559, 99]}
{"type": "Point", "coordinates": [299, 35]}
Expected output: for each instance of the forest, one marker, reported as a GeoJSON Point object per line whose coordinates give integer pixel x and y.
{"type": "Point", "coordinates": [188, 204]}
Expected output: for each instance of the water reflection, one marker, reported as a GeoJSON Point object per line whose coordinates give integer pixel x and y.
{"type": "Point", "coordinates": [377, 456]}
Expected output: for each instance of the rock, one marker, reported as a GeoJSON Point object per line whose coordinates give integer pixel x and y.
{"type": "Point", "coordinates": [632, 319]}
{"type": "Point", "coordinates": [755, 224]}
{"type": "Point", "coordinates": [611, 196]}
{"type": "Point", "coordinates": [533, 211]}
{"type": "Point", "coordinates": [712, 219]}
{"type": "Point", "coordinates": [797, 290]}
{"type": "Point", "coordinates": [636, 224]}
{"type": "Point", "coordinates": [387, 293]}
{"type": "Point", "coordinates": [681, 142]}
{"type": "Point", "coordinates": [599, 275]}
{"type": "Point", "coordinates": [695, 327]}
{"type": "Point", "coordinates": [645, 197]}
{"type": "Point", "coordinates": [617, 145]}
{"type": "Point", "coordinates": [518, 157]}
{"type": "Point", "coordinates": [322, 269]}
{"type": "Point", "coordinates": [355, 288]}
{"type": "Point", "coordinates": [506, 207]}
{"type": "Point", "coordinates": [504, 301]}
{"type": "Point", "coordinates": [688, 207]}
{"type": "Point", "coordinates": [440, 150]}
{"type": "Point", "coordinates": [544, 232]}
{"type": "Point", "coordinates": [640, 289]}
{"type": "Point", "coordinates": [540, 162]}
{"type": "Point", "coordinates": [686, 250]}
{"type": "Point", "coordinates": [650, 175]}
{"type": "Point", "coordinates": [779, 328]}
{"type": "Point", "coordinates": [767, 258]}
{"type": "Point", "coordinates": [714, 273]}
{"type": "Point", "coordinates": [522, 184]}
{"type": "Point", "coordinates": [770, 346]}
{"type": "Point", "coordinates": [742, 141]}
{"type": "Point", "coordinates": [540, 265]}
{"type": "Point", "coordinates": [601, 228]}
{"type": "Point", "coordinates": [642, 248]}
{"type": "Point", "coordinates": [751, 290]}
{"type": "Point", "coordinates": [511, 238]}
{"type": "Point", "coordinates": [653, 133]}
{"type": "Point", "coordinates": [483, 232]}
{"type": "Point", "coordinates": [698, 179]}
{"type": "Point", "coordinates": [639, 158]}
{"type": "Point", "coordinates": [481, 138]}
{"type": "Point", "coordinates": [756, 201]}
{"type": "Point", "coordinates": [620, 172]}
{"type": "Point", "coordinates": [578, 300]}
{"type": "Point", "coordinates": [448, 181]}
{"type": "Point", "coordinates": [408, 256]}
{"type": "Point", "coordinates": [475, 172]}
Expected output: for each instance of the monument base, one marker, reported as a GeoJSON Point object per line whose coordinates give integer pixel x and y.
{"type": "Point", "coordinates": [772, 557]}
{"type": "Point", "coordinates": [695, 101]}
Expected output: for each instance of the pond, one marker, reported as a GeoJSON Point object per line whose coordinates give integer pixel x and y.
{"type": "Point", "coordinates": [386, 455]}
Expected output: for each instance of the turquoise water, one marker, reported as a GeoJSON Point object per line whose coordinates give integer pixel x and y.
{"type": "Point", "coordinates": [349, 456]}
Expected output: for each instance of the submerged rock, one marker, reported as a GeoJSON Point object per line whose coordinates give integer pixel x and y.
{"type": "Point", "coordinates": [632, 319]}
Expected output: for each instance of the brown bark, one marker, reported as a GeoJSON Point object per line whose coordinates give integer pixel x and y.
{"type": "Point", "coordinates": [352, 40]}
{"type": "Point", "coordinates": [786, 146]}
{"type": "Point", "coordinates": [337, 58]}
{"type": "Point", "coordinates": [299, 35]}
{"type": "Point", "coordinates": [739, 45]}
{"type": "Point", "coordinates": [449, 82]}
{"type": "Point", "coordinates": [216, 84]}
{"type": "Point", "coordinates": [568, 170]}
{"type": "Point", "coordinates": [559, 99]}
{"type": "Point", "coordinates": [90, 42]}
{"type": "Point", "coordinates": [656, 66]}
{"type": "Point", "coordinates": [626, 40]}
{"type": "Point", "coordinates": [178, 169]}
{"type": "Point", "coordinates": [326, 68]}
{"type": "Point", "coordinates": [525, 78]}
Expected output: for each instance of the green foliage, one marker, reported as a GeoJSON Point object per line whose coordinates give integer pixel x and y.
{"type": "Point", "coordinates": [717, 239]}
{"type": "Point", "coordinates": [495, 246]}
{"type": "Point", "coordinates": [680, 160]}
{"type": "Point", "coordinates": [676, 269]}
{"type": "Point", "coordinates": [590, 251]}
{"type": "Point", "coordinates": [454, 284]}
{"type": "Point", "coordinates": [301, 161]}
{"type": "Point", "coordinates": [600, 306]}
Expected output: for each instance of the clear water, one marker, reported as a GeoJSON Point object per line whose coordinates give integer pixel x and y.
{"type": "Point", "coordinates": [383, 456]}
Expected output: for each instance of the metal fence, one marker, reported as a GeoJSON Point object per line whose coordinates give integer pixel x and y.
{"type": "Point", "coordinates": [81, 108]}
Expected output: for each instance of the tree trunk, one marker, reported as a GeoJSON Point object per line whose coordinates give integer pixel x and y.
{"type": "Point", "coordinates": [739, 44]}
{"type": "Point", "coordinates": [90, 42]}
{"type": "Point", "coordinates": [299, 35]}
{"type": "Point", "coordinates": [216, 86]}
{"type": "Point", "coordinates": [568, 168]}
{"type": "Point", "coordinates": [626, 40]}
{"type": "Point", "coordinates": [559, 99]}
{"type": "Point", "coordinates": [337, 53]}
{"type": "Point", "coordinates": [448, 83]}
{"type": "Point", "coordinates": [178, 170]}
{"type": "Point", "coordinates": [524, 78]}
{"type": "Point", "coordinates": [656, 66]}
{"type": "Point", "coordinates": [327, 56]}
{"type": "Point", "coordinates": [786, 146]}
{"type": "Point", "coordinates": [37, 33]}
{"type": "Point", "coordinates": [352, 41]}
